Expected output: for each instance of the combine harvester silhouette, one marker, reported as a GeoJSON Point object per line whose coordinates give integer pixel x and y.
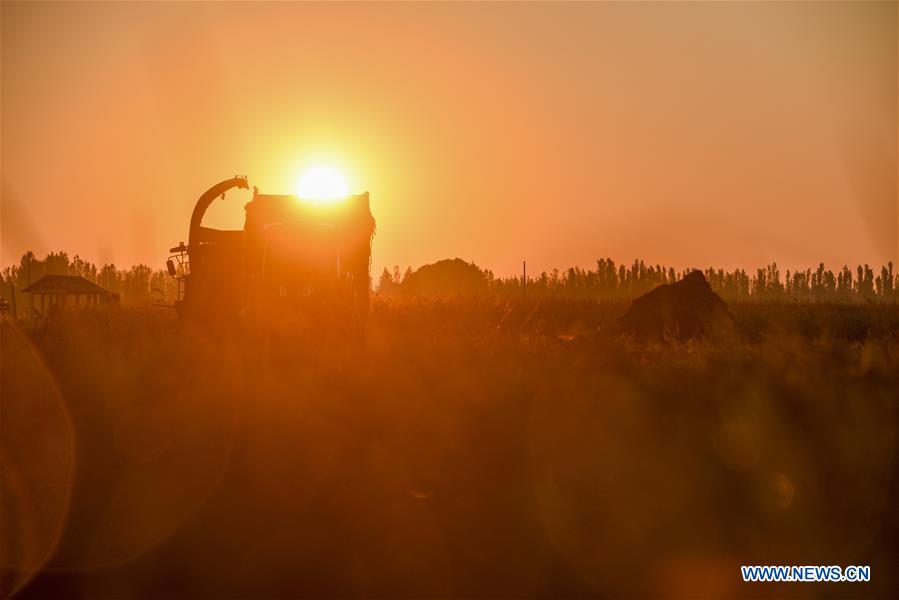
{"type": "Point", "coordinates": [290, 257]}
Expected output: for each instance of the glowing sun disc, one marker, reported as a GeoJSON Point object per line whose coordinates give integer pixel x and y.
{"type": "Point", "coordinates": [322, 184]}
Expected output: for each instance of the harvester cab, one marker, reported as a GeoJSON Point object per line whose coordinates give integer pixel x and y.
{"type": "Point", "coordinates": [290, 255]}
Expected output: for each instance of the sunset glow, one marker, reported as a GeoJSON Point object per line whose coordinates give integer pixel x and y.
{"type": "Point", "coordinates": [322, 184]}
{"type": "Point", "coordinates": [635, 132]}
{"type": "Point", "coordinates": [449, 299]}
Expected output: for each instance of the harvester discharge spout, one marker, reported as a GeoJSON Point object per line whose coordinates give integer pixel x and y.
{"type": "Point", "coordinates": [195, 233]}
{"type": "Point", "coordinates": [290, 258]}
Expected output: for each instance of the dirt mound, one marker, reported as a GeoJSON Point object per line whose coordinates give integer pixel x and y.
{"type": "Point", "coordinates": [685, 309]}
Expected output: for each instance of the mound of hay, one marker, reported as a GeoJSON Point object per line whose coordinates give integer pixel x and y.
{"type": "Point", "coordinates": [681, 310]}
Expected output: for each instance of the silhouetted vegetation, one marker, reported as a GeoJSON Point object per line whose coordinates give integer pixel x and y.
{"type": "Point", "coordinates": [611, 281]}
{"type": "Point", "coordinates": [476, 441]}
{"type": "Point", "coordinates": [443, 277]}
{"type": "Point", "coordinates": [468, 446]}
{"type": "Point", "coordinates": [141, 284]}
{"type": "Point", "coordinates": [138, 284]}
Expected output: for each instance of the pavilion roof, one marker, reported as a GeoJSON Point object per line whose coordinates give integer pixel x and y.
{"type": "Point", "coordinates": [65, 284]}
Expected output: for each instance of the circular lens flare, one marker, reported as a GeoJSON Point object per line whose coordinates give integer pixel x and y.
{"type": "Point", "coordinates": [322, 184]}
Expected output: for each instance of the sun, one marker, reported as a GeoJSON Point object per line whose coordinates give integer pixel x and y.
{"type": "Point", "coordinates": [322, 183]}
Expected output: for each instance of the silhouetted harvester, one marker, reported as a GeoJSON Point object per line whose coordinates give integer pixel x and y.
{"type": "Point", "coordinates": [290, 256]}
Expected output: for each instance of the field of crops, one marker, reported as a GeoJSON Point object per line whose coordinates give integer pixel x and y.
{"type": "Point", "coordinates": [458, 446]}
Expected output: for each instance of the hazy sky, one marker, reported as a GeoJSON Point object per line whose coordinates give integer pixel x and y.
{"type": "Point", "coordinates": [689, 134]}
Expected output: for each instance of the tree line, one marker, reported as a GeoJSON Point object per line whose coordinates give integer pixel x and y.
{"type": "Point", "coordinates": [619, 281]}
{"type": "Point", "coordinates": [138, 284]}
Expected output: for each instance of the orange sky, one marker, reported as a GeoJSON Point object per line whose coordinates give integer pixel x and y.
{"type": "Point", "coordinates": [690, 134]}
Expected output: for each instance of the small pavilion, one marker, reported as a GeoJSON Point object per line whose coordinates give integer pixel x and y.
{"type": "Point", "coordinates": [67, 291]}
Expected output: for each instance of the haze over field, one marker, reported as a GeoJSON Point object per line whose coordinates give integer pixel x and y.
{"type": "Point", "coordinates": [326, 393]}
{"type": "Point", "coordinates": [730, 134]}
